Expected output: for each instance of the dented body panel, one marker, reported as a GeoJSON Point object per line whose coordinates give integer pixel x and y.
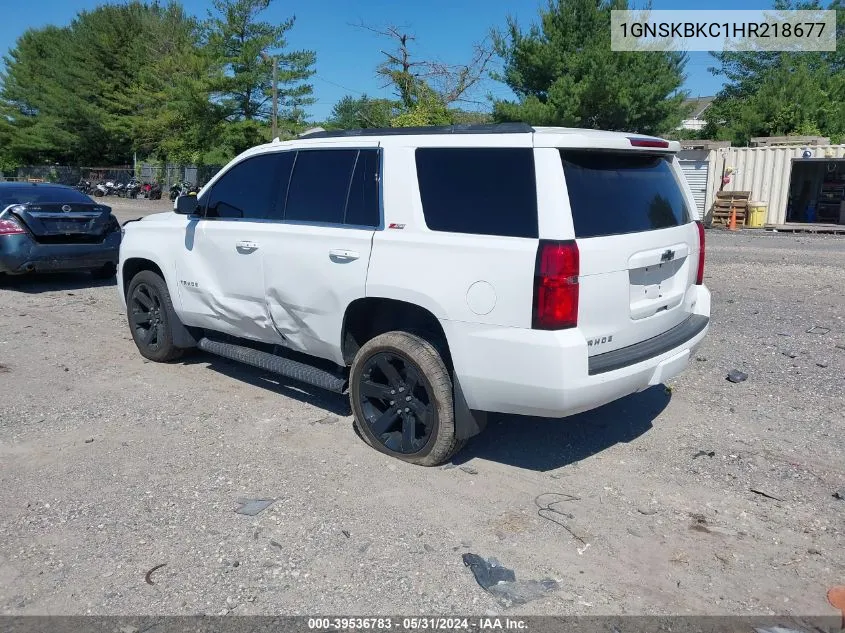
{"type": "Point", "coordinates": [220, 278]}
{"type": "Point", "coordinates": [311, 275]}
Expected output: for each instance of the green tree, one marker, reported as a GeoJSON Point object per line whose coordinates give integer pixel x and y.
{"type": "Point", "coordinates": [564, 73]}
{"type": "Point", "coordinates": [781, 93]}
{"type": "Point", "coordinates": [362, 112]}
{"type": "Point", "coordinates": [426, 89]}
{"type": "Point", "coordinates": [244, 47]}
{"type": "Point", "coordinates": [173, 116]}
{"type": "Point", "coordinates": [94, 92]}
{"type": "Point", "coordinates": [468, 117]}
{"type": "Point", "coordinates": [51, 118]}
{"type": "Point", "coordinates": [427, 108]}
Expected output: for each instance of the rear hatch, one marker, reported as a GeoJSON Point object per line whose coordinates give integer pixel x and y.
{"type": "Point", "coordinates": [72, 222]}
{"type": "Point", "coordinates": [637, 241]}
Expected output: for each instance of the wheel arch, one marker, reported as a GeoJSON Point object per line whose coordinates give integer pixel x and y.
{"type": "Point", "coordinates": [368, 317]}
{"type": "Point", "coordinates": [131, 266]}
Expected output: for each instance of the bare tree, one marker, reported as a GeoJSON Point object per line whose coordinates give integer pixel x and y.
{"type": "Point", "coordinates": [451, 82]}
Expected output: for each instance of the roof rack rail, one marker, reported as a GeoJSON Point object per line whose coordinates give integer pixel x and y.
{"type": "Point", "coordinates": [311, 131]}
{"type": "Point", "coordinates": [482, 128]}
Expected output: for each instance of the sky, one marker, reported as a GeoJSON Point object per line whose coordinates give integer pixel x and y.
{"type": "Point", "coordinates": [347, 56]}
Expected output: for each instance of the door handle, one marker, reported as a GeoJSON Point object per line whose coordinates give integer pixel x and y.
{"type": "Point", "coordinates": [246, 245]}
{"type": "Point", "coordinates": [338, 253]}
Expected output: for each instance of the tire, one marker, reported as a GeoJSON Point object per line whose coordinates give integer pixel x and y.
{"type": "Point", "coordinates": [150, 314]}
{"type": "Point", "coordinates": [108, 271]}
{"type": "Point", "coordinates": [98, 193]}
{"type": "Point", "coordinates": [411, 362]}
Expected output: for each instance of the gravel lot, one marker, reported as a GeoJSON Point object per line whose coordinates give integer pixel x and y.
{"type": "Point", "coordinates": [111, 465]}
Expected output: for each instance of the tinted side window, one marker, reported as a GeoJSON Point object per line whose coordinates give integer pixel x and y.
{"type": "Point", "coordinates": [362, 208]}
{"type": "Point", "coordinates": [615, 193]}
{"type": "Point", "coordinates": [486, 191]}
{"type": "Point", "coordinates": [247, 190]}
{"type": "Point", "coordinates": [319, 185]}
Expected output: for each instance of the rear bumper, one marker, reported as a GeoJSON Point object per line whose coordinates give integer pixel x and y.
{"type": "Point", "coordinates": [20, 254]}
{"type": "Point", "coordinates": [550, 374]}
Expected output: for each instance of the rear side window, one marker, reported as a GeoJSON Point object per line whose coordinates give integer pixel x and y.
{"type": "Point", "coordinates": [362, 208]}
{"type": "Point", "coordinates": [319, 185]}
{"type": "Point", "coordinates": [247, 190]}
{"type": "Point", "coordinates": [616, 193]}
{"type": "Point", "coordinates": [484, 191]}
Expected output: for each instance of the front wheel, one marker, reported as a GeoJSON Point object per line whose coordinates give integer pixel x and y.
{"type": "Point", "coordinates": [401, 396]}
{"type": "Point", "coordinates": [151, 317]}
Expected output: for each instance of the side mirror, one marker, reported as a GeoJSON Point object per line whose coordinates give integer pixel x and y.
{"type": "Point", "coordinates": [186, 205]}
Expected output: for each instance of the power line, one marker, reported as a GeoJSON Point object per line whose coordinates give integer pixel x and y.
{"type": "Point", "coordinates": [334, 83]}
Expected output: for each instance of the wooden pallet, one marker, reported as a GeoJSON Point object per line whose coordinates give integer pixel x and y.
{"type": "Point", "coordinates": [728, 201]}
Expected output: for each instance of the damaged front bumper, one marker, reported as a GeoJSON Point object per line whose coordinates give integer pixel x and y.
{"type": "Point", "coordinates": [22, 254]}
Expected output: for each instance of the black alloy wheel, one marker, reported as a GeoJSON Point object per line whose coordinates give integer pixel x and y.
{"type": "Point", "coordinates": [147, 316]}
{"type": "Point", "coordinates": [396, 402]}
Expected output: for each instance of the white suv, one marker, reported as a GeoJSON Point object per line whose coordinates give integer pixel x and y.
{"type": "Point", "coordinates": [434, 273]}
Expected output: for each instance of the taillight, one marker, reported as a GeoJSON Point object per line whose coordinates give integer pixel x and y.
{"type": "Point", "coordinates": [699, 277]}
{"type": "Point", "coordinates": [647, 142]}
{"type": "Point", "coordinates": [10, 227]}
{"type": "Point", "coordinates": [556, 286]}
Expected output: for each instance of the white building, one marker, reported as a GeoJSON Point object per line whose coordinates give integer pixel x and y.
{"type": "Point", "coordinates": [697, 107]}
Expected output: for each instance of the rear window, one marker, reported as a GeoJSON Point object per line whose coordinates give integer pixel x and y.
{"type": "Point", "coordinates": [614, 193]}
{"type": "Point", "coordinates": [484, 191]}
{"type": "Point", "coordinates": [38, 194]}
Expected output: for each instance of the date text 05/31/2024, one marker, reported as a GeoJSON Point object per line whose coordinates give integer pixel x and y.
{"type": "Point", "coordinates": [417, 624]}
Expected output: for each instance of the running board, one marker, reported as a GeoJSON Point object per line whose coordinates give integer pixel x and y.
{"type": "Point", "coordinates": [276, 364]}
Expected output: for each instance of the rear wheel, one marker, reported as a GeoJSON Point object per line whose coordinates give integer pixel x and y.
{"type": "Point", "coordinates": [401, 396]}
{"type": "Point", "coordinates": [151, 315]}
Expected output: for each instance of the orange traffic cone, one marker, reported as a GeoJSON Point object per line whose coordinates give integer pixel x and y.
{"type": "Point", "coordinates": [732, 225]}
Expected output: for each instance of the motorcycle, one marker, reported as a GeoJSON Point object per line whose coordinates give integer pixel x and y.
{"type": "Point", "coordinates": [84, 186]}
{"type": "Point", "coordinates": [152, 190]}
{"type": "Point", "coordinates": [178, 189]}
{"type": "Point", "coordinates": [119, 190]}
{"type": "Point", "coordinates": [102, 189]}
{"type": "Point", "coordinates": [133, 188]}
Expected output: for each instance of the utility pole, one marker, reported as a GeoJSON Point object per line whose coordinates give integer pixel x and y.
{"type": "Point", "coordinates": [274, 61]}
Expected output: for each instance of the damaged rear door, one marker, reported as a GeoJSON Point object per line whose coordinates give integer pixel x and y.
{"type": "Point", "coordinates": [317, 263]}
